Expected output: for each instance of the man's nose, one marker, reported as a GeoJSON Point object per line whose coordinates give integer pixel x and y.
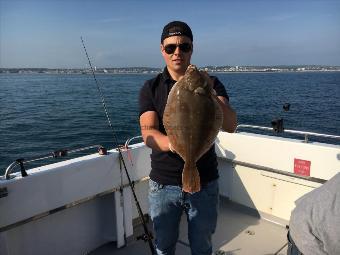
{"type": "Point", "coordinates": [177, 51]}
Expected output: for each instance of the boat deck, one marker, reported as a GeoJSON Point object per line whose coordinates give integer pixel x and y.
{"type": "Point", "coordinates": [239, 231]}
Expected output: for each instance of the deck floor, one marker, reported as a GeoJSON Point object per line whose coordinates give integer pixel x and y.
{"type": "Point", "coordinates": [239, 232]}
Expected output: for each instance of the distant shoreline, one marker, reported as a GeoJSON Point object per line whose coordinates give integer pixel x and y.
{"type": "Point", "coordinates": [150, 70]}
{"type": "Point", "coordinates": [155, 73]}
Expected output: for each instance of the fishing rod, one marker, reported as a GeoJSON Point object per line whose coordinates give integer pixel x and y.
{"type": "Point", "coordinates": [147, 236]}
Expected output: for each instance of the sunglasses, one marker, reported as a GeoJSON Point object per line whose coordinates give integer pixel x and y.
{"type": "Point", "coordinates": [170, 48]}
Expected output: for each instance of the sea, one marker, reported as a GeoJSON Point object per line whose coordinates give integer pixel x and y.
{"type": "Point", "coordinates": [42, 113]}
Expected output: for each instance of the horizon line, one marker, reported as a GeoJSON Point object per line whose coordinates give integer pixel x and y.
{"type": "Point", "coordinates": [276, 65]}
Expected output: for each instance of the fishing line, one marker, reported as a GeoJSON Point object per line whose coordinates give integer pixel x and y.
{"type": "Point", "coordinates": [101, 96]}
{"type": "Point", "coordinates": [147, 236]}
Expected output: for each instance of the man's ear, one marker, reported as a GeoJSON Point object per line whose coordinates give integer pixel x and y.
{"type": "Point", "coordinates": [162, 50]}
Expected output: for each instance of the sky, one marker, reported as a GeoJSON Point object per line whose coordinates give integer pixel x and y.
{"type": "Point", "coordinates": [46, 33]}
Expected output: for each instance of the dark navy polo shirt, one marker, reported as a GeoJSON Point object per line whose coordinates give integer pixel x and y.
{"type": "Point", "coordinates": [167, 167]}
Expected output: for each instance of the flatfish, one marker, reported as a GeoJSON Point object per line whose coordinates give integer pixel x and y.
{"type": "Point", "coordinates": [192, 119]}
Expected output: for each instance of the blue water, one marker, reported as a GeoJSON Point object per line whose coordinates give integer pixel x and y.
{"type": "Point", "coordinates": [40, 113]}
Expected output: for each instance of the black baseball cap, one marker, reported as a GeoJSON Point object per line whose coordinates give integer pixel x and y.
{"type": "Point", "coordinates": [176, 28]}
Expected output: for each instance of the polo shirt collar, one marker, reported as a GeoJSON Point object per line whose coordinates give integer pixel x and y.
{"type": "Point", "coordinates": [166, 75]}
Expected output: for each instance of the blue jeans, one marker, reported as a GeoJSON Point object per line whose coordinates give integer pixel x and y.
{"type": "Point", "coordinates": [167, 203]}
{"type": "Point", "coordinates": [292, 248]}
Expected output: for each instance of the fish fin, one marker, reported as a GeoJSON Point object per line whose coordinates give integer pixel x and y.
{"type": "Point", "coordinates": [190, 178]}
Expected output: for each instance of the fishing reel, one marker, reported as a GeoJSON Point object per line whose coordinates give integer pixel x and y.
{"type": "Point", "coordinates": [145, 237]}
{"type": "Point", "coordinates": [286, 107]}
{"type": "Point", "coordinates": [277, 124]}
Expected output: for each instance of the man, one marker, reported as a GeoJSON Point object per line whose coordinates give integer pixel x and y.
{"type": "Point", "coordinates": [167, 201]}
{"type": "Point", "coordinates": [314, 226]}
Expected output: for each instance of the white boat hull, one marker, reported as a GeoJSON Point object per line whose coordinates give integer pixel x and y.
{"type": "Point", "coordinates": [74, 206]}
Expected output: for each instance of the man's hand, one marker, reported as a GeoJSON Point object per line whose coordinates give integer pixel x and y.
{"type": "Point", "coordinates": [229, 115]}
{"type": "Point", "coordinates": [171, 148]}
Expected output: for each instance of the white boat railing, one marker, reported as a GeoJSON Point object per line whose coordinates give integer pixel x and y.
{"type": "Point", "coordinates": [128, 141]}
{"type": "Point", "coordinates": [306, 134]}
{"type": "Point", "coordinates": [55, 154]}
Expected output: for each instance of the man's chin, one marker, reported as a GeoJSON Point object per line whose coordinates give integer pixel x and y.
{"type": "Point", "coordinates": [180, 67]}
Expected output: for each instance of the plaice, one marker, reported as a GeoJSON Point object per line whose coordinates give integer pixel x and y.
{"type": "Point", "coordinates": [192, 119]}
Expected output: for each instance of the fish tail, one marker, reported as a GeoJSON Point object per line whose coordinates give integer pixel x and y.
{"type": "Point", "coordinates": [190, 178]}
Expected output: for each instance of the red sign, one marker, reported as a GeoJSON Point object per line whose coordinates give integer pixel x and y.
{"type": "Point", "coordinates": [302, 167]}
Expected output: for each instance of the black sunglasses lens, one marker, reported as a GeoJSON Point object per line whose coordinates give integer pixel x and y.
{"type": "Point", "coordinates": [170, 48]}
{"type": "Point", "coordinates": [185, 47]}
